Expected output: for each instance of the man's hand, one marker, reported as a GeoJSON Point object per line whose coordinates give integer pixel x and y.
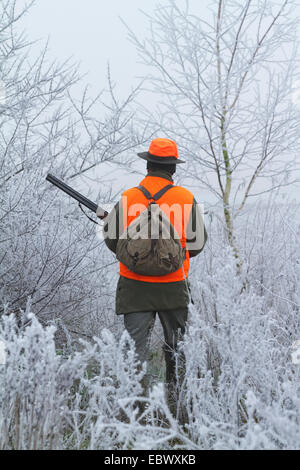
{"type": "Point", "coordinates": [101, 213]}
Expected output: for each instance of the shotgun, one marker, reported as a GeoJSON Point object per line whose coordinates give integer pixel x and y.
{"type": "Point", "coordinates": [101, 213]}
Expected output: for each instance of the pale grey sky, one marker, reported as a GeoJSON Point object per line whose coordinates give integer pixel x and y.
{"type": "Point", "coordinates": [92, 33]}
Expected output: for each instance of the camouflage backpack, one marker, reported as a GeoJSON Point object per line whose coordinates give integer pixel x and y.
{"type": "Point", "coordinates": [150, 245]}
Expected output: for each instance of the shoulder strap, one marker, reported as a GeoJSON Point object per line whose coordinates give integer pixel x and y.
{"type": "Point", "coordinates": [156, 196]}
{"type": "Point", "coordinates": [160, 193]}
{"type": "Point", "coordinates": [144, 191]}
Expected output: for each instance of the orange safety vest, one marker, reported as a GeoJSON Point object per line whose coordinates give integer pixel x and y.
{"type": "Point", "coordinates": [181, 199]}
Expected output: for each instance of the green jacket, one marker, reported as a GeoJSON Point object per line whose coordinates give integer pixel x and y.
{"type": "Point", "coordinates": [137, 296]}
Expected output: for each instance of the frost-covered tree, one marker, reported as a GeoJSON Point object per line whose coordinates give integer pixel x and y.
{"type": "Point", "coordinates": [224, 82]}
{"type": "Point", "coordinates": [49, 250]}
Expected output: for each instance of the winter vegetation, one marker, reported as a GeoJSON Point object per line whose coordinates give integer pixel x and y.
{"type": "Point", "coordinates": [69, 376]}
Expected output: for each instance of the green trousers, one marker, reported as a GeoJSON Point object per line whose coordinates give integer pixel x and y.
{"type": "Point", "coordinates": [140, 325]}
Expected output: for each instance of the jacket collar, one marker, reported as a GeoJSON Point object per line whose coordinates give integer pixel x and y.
{"type": "Point", "coordinates": [161, 174]}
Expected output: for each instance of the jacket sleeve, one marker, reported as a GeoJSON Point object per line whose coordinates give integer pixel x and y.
{"type": "Point", "coordinates": [111, 227]}
{"type": "Point", "coordinates": [196, 234]}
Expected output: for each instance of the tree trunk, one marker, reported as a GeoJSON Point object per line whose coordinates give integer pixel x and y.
{"type": "Point", "coordinates": [226, 196]}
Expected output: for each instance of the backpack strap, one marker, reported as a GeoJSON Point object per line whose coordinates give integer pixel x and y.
{"type": "Point", "coordinates": [162, 191]}
{"type": "Point", "coordinates": [145, 192]}
{"type": "Point", "coordinates": [156, 196]}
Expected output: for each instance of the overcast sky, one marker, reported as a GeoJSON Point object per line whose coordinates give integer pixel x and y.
{"type": "Point", "coordinates": [92, 33]}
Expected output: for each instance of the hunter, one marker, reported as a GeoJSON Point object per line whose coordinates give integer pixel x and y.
{"type": "Point", "coordinates": [154, 266]}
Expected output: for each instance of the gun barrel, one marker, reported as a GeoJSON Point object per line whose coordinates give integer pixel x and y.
{"type": "Point", "coordinates": [74, 194]}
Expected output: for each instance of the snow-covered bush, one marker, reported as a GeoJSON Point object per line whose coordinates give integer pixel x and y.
{"type": "Point", "coordinates": [242, 387]}
{"type": "Point", "coordinates": [89, 399]}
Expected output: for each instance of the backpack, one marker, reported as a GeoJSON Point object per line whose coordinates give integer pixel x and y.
{"type": "Point", "coordinates": [150, 245]}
